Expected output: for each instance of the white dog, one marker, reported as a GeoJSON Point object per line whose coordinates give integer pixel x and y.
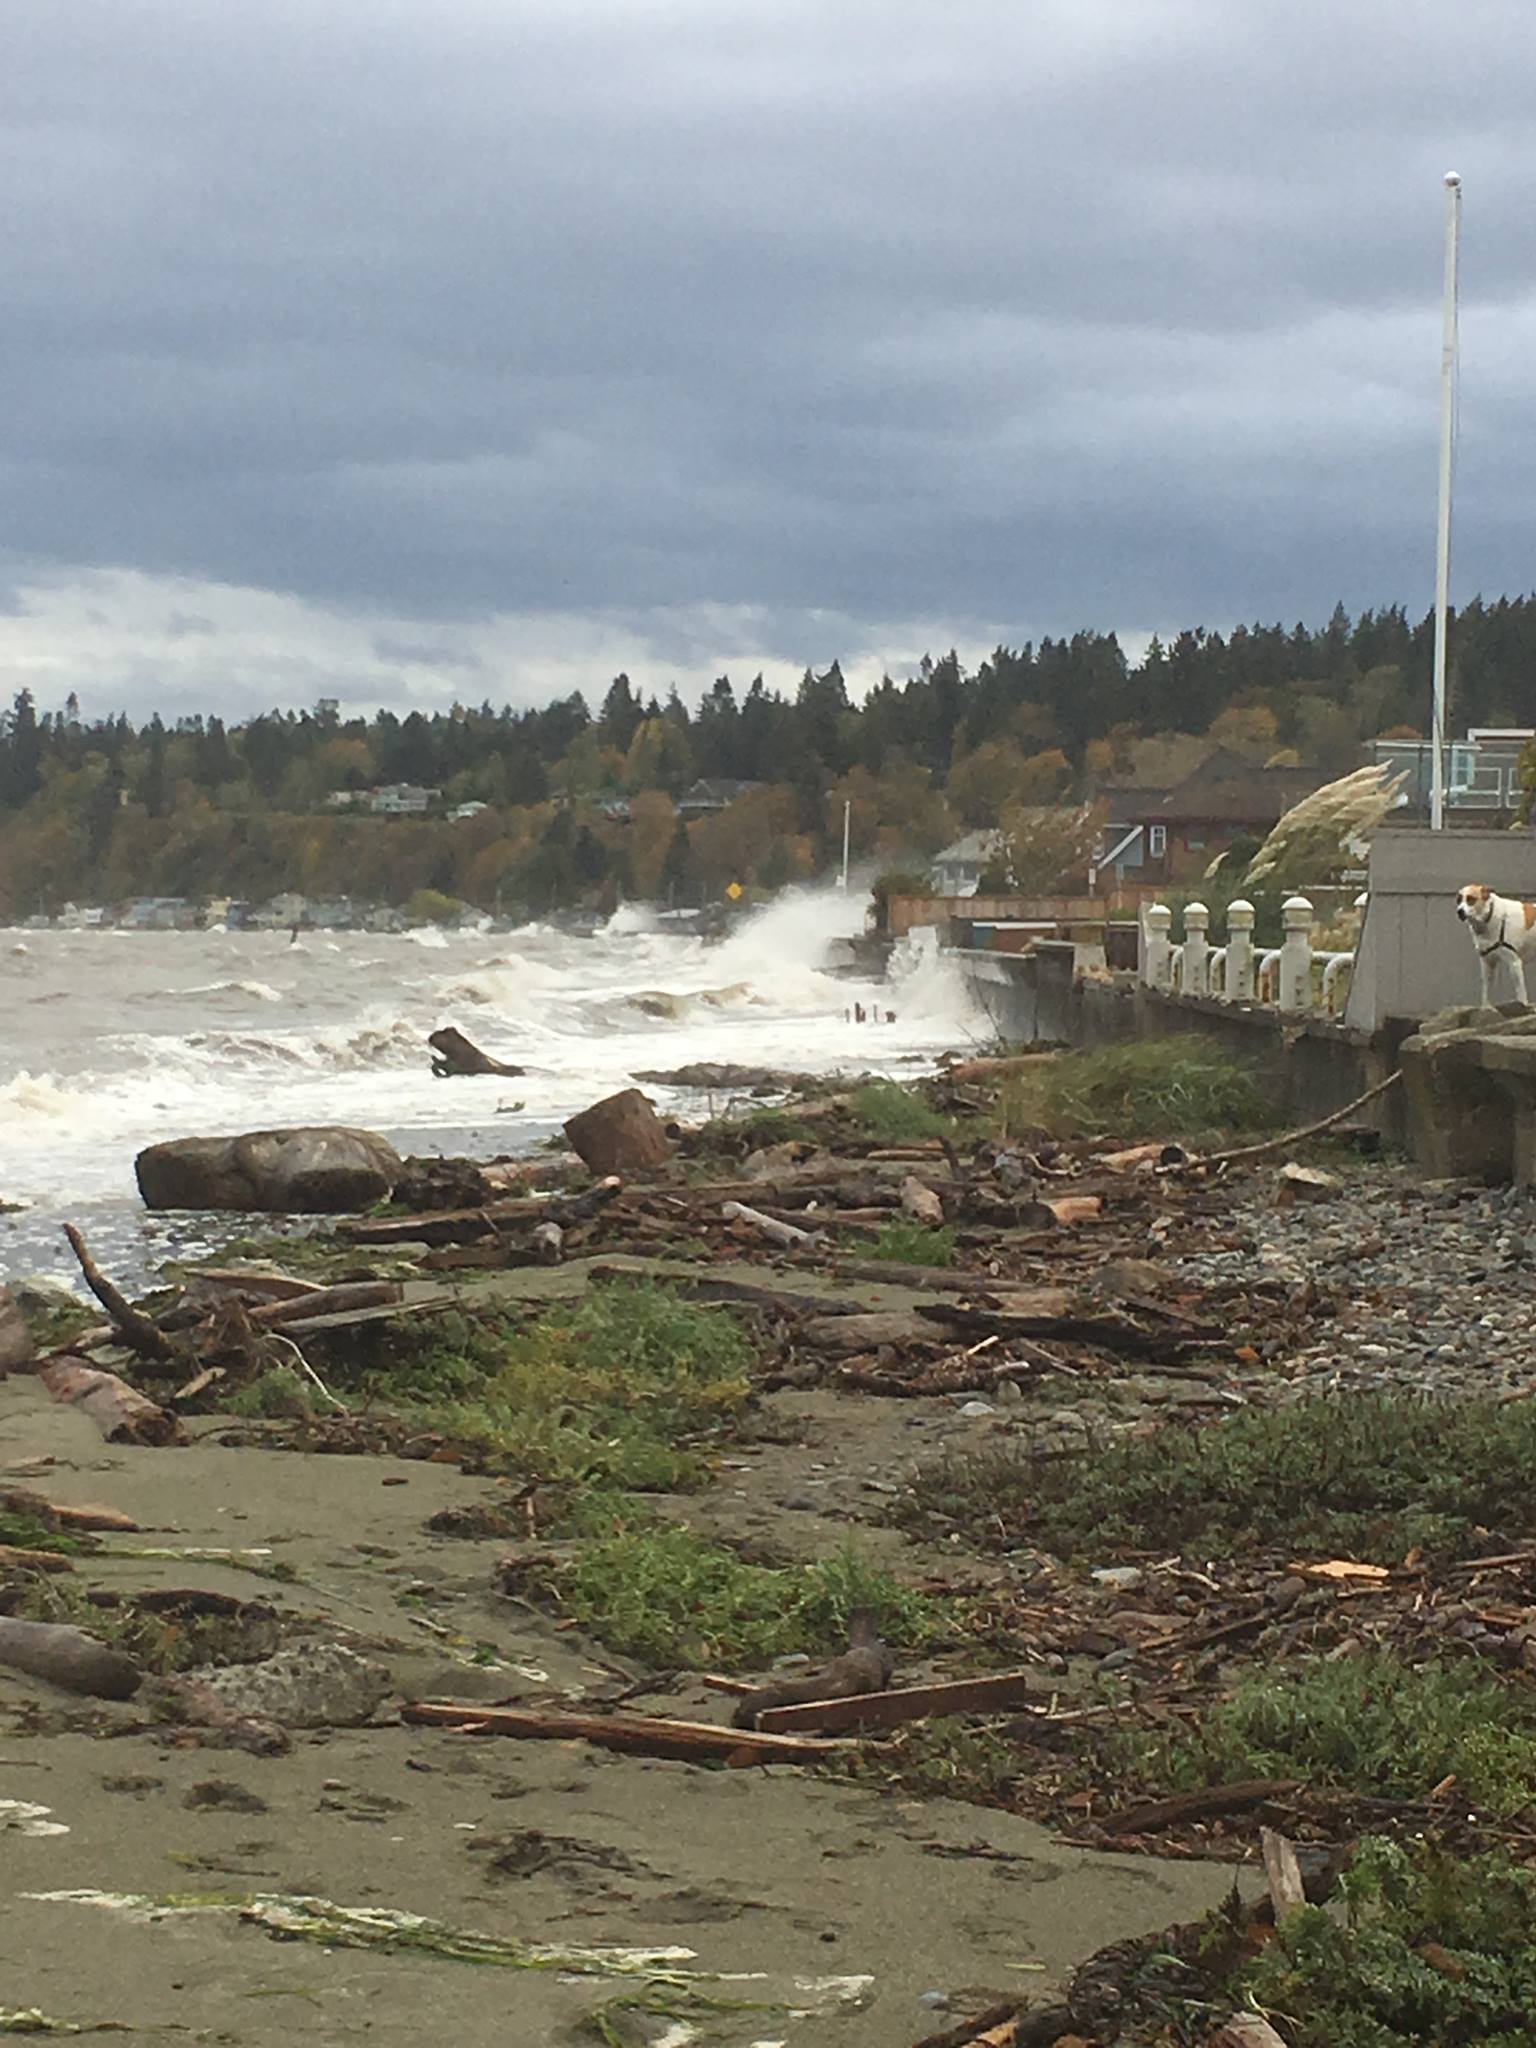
{"type": "Point", "coordinates": [1502, 928]}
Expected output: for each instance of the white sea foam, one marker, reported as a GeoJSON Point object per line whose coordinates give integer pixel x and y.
{"type": "Point", "coordinates": [183, 1032]}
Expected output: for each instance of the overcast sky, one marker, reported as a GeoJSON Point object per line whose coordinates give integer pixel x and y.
{"type": "Point", "coordinates": [407, 352]}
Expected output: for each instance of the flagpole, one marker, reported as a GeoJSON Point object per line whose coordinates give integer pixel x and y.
{"type": "Point", "coordinates": [1443, 529]}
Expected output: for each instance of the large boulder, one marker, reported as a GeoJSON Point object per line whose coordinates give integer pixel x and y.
{"type": "Point", "coordinates": [322, 1169]}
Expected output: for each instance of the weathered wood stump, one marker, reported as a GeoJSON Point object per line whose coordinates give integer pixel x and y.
{"type": "Point", "coordinates": [621, 1134]}
{"type": "Point", "coordinates": [456, 1054]}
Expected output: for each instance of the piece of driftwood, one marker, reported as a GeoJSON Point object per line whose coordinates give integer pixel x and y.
{"type": "Point", "coordinates": [57, 1514]}
{"type": "Point", "coordinates": [13, 1555]}
{"type": "Point", "coordinates": [620, 1134]}
{"type": "Point", "coordinates": [1202, 1804]}
{"type": "Point", "coordinates": [456, 1054]}
{"type": "Point", "coordinates": [864, 1667]}
{"type": "Point", "coordinates": [1290, 1138]}
{"type": "Point", "coordinates": [1246, 2030]}
{"type": "Point", "coordinates": [647, 1735]}
{"type": "Point", "coordinates": [548, 1243]}
{"type": "Point", "coordinates": [843, 1335]}
{"type": "Point", "coordinates": [67, 1657]}
{"type": "Point", "coordinates": [1287, 1889]}
{"type": "Point", "coordinates": [999, 1692]}
{"type": "Point", "coordinates": [343, 1299]}
{"type": "Point", "coordinates": [120, 1412]}
{"type": "Point", "coordinates": [789, 1235]}
{"type": "Point", "coordinates": [137, 1331]}
{"type": "Point", "coordinates": [921, 1203]}
{"type": "Point", "coordinates": [256, 1286]}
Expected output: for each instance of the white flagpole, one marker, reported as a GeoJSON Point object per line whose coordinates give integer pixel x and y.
{"type": "Point", "coordinates": [1443, 531]}
{"type": "Point", "coordinates": [847, 823]}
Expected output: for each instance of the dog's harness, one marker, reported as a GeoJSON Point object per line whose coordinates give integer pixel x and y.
{"type": "Point", "coordinates": [1501, 943]}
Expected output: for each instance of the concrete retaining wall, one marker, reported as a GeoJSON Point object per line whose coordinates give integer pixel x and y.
{"type": "Point", "coordinates": [1311, 1066]}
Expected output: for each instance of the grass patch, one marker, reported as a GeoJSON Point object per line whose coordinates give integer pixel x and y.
{"type": "Point", "coordinates": [22, 1530]}
{"type": "Point", "coordinates": [905, 1243]}
{"type": "Point", "coordinates": [618, 1389]}
{"type": "Point", "coordinates": [280, 1392]}
{"type": "Point", "coordinates": [1430, 1948]}
{"type": "Point", "coordinates": [950, 1758]}
{"type": "Point", "coordinates": [160, 1640]}
{"type": "Point", "coordinates": [732, 1137]}
{"type": "Point", "coordinates": [653, 1591]}
{"type": "Point", "coordinates": [1161, 1088]}
{"type": "Point", "coordinates": [893, 1115]}
{"type": "Point", "coordinates": [1368, 1724]}
{"type": "Point", "coordinates": [1369, 1474]}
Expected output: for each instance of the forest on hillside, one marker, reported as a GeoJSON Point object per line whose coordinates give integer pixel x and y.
{"type": "Point", "coordinates": [580, 803]}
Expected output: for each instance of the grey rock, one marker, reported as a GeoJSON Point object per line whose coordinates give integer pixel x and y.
{"type": "Point", "coordinates": [311, 1685]}
{"type": "Point", "coordinates": [316, 1169]}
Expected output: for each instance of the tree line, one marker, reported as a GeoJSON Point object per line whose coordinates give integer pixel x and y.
{"type": "Point", "coordinates": [581, 802]}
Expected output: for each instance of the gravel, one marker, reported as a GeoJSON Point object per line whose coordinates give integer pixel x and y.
{"type": "Point", "coordinates": [1416, 1286]}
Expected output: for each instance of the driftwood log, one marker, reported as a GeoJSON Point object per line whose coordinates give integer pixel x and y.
{"type": "Point", "coordinates": [120, 1412]}
{"type": "Point", "coordinates": [864, 1667]}
{"type": "Point", "coordinates": [68, 1657]}
{"type": "Point", "coordinates": [620, 1134]}
{"type": "Point", "coordinates": [645, 1734]}
{"type": "Point", "coordinates": [453, 1053]}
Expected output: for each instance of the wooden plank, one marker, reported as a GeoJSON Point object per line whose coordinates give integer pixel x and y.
{"type": "Point", "coordinates": [645, 1734]}
{"type": "Point", "coordinates": [1000, 1690]}
{"type": "Point", "coordinates": [1283, 1871]}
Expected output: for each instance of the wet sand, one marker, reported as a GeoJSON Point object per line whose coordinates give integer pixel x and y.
{"type": "Point", "coordinates": [767, 1871]}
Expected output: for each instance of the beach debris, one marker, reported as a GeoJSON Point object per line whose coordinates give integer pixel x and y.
{"type": "Point", "coordinates": [1296, 1183]}
{"type": "Point", "coordinates": [789, 1235]}
{"type": "Point", "coordinates": [662, 1980]}
{"type": "Point", "coordinates": [997, 1692]}
{"type": "Point", "coordinates": [68, 1657]}
{"type": "Point", "coordinates": [31, 2019]}
{"type": "Point", "coordinates": [16, 1347]}
{"type": "Point", "coordinates": [119, 1411]}
{"type": "Point", "coordinates": [135, 1328]}
{"type": "Point", "coordinates": [309, 1169]}
{"type": "Point", "coordinates": [644, 1734]}
{"type": "Point", "coordinates": [1282, 1871]}
{"type": "Point", "coordinates": [920, 1202]}
{"type": "Point", "coordinates": [321, 1684]}
{"type": "Point", "coordinates": [620, 1134]}
{"type": "Point", "coordinates": [1246, 2030]}
{"type": "Point", "coordinates": [56, 1514]}
{"type": "Point", "coordinates": [864, 1667]}
{"type": "Point", "coordinates": [26, 1817]}
{"type": "Point", "coordinates": [456, 1054]}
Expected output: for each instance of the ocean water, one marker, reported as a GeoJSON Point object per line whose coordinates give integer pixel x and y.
{"type": "Point", "coordinates": [110, 1041]}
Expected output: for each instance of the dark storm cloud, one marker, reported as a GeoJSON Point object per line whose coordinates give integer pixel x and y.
{"type": "Point", "coordinates": [1108, 311]}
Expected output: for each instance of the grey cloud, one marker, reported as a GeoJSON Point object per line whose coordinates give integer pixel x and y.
{"type": "Point", "coordinates": [1083, 312]}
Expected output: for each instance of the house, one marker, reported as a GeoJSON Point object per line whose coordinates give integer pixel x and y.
{"type": "Point", "coordinates": [1174, 834]}
{"type": "Point", "coordinates": [286, 910]}
{"type": "Point", "coordinates": [157, 914]}
{"type": "Point", "coordinates": [1482, 771]}
{"type": "Point", "coordinates": [402, 800]}
{"type": "Point", "coordinates": [959, 868]}
{"type": "Point", "coordinates": [462, 811]}
{"type": "Point", "coordinates": [712, 793]}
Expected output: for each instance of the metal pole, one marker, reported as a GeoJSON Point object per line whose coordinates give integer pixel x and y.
{"type": "Point", "coordinates": [847, 819]}
{"type": "Point", "coordinates": [1443, 531]}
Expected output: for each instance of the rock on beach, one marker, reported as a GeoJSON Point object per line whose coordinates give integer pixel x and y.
{"type": "Point", "coordinates": [319, 1169]}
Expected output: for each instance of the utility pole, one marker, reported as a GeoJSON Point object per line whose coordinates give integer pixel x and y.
{"type": "Point", "coordinates": [1443, 529]}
